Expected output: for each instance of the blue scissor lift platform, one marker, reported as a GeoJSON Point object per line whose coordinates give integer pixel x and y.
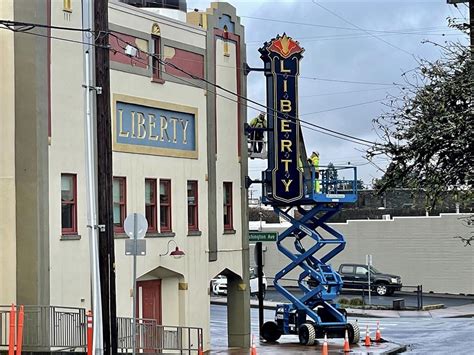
{"type": "Point", "coordinates": [315, 313]}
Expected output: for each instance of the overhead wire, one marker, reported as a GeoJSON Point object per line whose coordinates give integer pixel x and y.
{"type": "Point", "coordinates": [217, 86]}
{"type": "Point", "coordinates": [362, 29]}
{"type": "Point", "coordinates": [313, 126]}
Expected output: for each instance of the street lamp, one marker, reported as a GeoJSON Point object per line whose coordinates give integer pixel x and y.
{"type": "Point", "coordinates": [176, 253]}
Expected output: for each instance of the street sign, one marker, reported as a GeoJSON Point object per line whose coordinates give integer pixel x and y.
{"type": "Point", "coordinates": [263, 236]}
{"type": "Point", "coordinates": [132, 249]}
{"type": "Point", "coordinates": [142, 225]}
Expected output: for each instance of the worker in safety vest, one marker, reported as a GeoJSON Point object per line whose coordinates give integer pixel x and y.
{"type": "Point", "coordinates": [257, 136]}
{"type": "Point", "coordinates": [314, 158]}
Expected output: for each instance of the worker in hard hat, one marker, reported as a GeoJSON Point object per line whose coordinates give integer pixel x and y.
{"type": "Point", "coordinates": [257, 136]}
{"type": "Point", "coordinates": [314, 158]}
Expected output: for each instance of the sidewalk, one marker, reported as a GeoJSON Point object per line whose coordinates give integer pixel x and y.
{"type": "Point", "coordinates": [465, 311]}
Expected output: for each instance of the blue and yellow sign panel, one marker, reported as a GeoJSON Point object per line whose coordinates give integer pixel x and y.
{"type": "Point", "coordinates": [281, 57]}
{"type": "Point", "coordinates": [152, 127]}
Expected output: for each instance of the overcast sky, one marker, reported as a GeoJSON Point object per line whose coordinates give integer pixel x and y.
{"type": "Point", "coordinates": [347, 53]}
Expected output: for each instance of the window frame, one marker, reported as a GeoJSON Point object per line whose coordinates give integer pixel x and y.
{"type": "Point", "coordinates": [122, 203]}
{"type": "Point", "coordinates": [228, 207]}
{"type": "Point", "coordinates": [168, 205]}
{"type": "Point", "coordinates": [153, 226]}
{"type": "Point", "coordinates": [194, 184]}
{"type": "Point", "coordinates": [73, 229]}
{"type": "Point", "coordinates": [156, 73]}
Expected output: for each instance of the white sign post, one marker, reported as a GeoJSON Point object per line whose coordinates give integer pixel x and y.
{"type": "Point", "coordinates": [135, 226]}
{"type": "Point", "coordinates": [368, 259]}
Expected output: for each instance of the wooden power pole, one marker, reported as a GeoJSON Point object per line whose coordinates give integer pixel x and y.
{"type": "Point", "coordinates": [104, 183]}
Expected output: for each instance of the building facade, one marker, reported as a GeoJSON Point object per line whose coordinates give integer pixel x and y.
{"type": "Point", "coordinates": [179, 158]}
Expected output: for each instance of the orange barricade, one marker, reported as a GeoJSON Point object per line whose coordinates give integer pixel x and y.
{"type": "Point", "coordinates": [11, 341]}
{"type": "Point", "coordinates": [89, 333]}
{"type": "Point", "coordinates": [19, 339]}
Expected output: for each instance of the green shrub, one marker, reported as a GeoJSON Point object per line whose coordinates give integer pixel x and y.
{"type": "Point", "coordinates": [343, 301]}
{"type": "Point", "coordinates": [356, 302]}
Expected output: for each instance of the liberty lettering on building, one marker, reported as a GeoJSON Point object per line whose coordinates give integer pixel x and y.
{"type": "Point", "coordinates": [149, 127]}
{"type": "Point", "coordinates": [281, 57]}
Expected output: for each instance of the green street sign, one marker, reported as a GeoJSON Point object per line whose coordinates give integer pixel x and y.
{"type": "Point", "coordinates": [263, 236]}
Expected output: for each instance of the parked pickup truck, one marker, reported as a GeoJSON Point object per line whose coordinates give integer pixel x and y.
{"type": "Point", "coordinates": [355, 276]}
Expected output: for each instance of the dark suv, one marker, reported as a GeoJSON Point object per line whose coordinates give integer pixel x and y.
{"type": "Point", "coordinates": [356, 276]}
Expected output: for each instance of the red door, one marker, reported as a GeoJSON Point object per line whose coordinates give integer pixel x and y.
{"type": "Point", "coordinates": [149, 300]}
{"type": "Point", "coordinates": [149, 307]}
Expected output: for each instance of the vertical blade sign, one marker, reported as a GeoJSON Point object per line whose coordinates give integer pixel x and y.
{"type": "Point", "coordinates": [281, 57]}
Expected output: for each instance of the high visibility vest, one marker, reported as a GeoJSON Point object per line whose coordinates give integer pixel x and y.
{"type": "Point", "coordinates": [258, 122]}
{"type": "Point", "coordinates": [315, 160]}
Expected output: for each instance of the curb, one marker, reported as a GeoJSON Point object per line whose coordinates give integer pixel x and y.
{"type": "Point", "coordinates": [223, 302]}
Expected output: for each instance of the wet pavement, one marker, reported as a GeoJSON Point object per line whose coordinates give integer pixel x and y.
{"type": "Point", "coordinates": [421, 335]}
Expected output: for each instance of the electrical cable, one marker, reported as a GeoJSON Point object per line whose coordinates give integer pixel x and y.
{"type": "Point", "coordinates": [29, 25]}
{"type": "Point", "coordinates": [313, 126]}
{"type": "Point", "coordinates": [217, 86]}
{"type": "Point", "coordinates": [362, 29]}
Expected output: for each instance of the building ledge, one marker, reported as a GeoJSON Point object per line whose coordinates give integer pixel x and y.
{"type": "Point", "coordinates": [70, 237]}
{"type": "Point", "coordinates": [161, 235]}
{"type": "Point", "coordinates": [195, 233]}
{"type": "Point", "coordinates": [229, 231]}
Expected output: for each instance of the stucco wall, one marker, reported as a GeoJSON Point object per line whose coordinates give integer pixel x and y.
{"type": "Point", "coordinates": [421, 250]}
{"type": "Point", "coordinates": [7, 162]}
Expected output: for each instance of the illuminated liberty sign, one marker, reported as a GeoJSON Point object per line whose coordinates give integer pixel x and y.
{"type": "Point", "coordinates": [281, 57]}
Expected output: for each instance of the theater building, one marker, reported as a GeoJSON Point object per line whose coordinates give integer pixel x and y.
{"type": "Point", "coordinates": [179, 158]}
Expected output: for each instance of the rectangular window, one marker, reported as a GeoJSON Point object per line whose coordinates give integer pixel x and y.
{"type": "Point", "coordinates": [150, 204]}
{"type": "Point", "coordinates": [228, 206]}
{"type": "Point", "coordinates": [193, 206]}
{"type": "Point", "coordinates": [120, 203]}
{"type": "Point", "coordinates": [155, 62]}
{"type": "Point", "coordinates": [68, 204]}
{"type": "Point", "coordinates": [165, 205]}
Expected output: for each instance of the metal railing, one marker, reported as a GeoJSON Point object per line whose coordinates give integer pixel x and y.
{"type": "Point", "coordinates": [47, 327]}
{"type": "Point", "coordinates": [51, 328]}
{"type": "Point", "coordinates": [152, 337]}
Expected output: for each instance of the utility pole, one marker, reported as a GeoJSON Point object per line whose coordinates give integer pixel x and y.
{"type": "Point", "coordinates": [104, 182]}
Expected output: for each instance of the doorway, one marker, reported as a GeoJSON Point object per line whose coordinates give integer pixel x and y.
{"type": "Point", "coordinates": [149, 300]}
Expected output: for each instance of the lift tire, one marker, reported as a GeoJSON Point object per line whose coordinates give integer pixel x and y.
{"type": "Point", "coordinates": [353, 332]}
{"type": "Point", "coordinates": [270, 331]}
{"type": "Point", "coordinates": [307, 334]}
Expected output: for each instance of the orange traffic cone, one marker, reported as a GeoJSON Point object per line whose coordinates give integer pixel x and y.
{"type": "Point", "coordinates": [367, 337]}
{"type": "Point", "coordinates": [253, 350]}
{"type": "Point", "coordinates": [325, 350]}
{"type": "Point", "coordinates": [378, 335]}
{"type": "Point", "coordinates": [347, 348]}
{"type": "Point", "coordinates": [200, 352]}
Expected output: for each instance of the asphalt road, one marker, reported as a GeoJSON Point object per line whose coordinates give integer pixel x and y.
{"type": "Point", "coordinates": [422, 335]}
{"type": "Point", "coordinates": [410, 298]}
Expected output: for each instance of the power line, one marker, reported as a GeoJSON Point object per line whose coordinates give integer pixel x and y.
{"type": "Point", "coordinates": [313, 126]}
{"type": "Point", "coordinates": [332, 27]}
{"type": "Point", "coordinates": [362, 29]}
{"type": "Point", "coordinates": [342, 107]}
{"type": "Point", "coordinates": [355, 36]}
{"type": "Point", "coordinates": [217, 86]}
{"type": "Point", "coordinates": [28, 26]}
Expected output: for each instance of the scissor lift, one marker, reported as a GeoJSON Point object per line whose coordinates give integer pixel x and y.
{"type": "Point", "coordinates": [315, 313]}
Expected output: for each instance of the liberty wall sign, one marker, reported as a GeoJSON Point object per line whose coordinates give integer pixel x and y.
{"type": "Point", "coordinates": [152, 127]}
{"type": "Point", "coordinates": [281, 57]}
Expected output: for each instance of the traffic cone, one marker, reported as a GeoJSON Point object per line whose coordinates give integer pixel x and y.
{"type": "Point", "coordinates": [347, 348]}
{"type": "Point", "coordinates": [253, 351]}
{"type": "Point", "coordinates": [367, 337]}
{"type": "Point", "coordinates": [325, 350]}
{"type": "Point", "coordinates": [378, 335]}
{"type": "Point", "coordinates": [200, 352]}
